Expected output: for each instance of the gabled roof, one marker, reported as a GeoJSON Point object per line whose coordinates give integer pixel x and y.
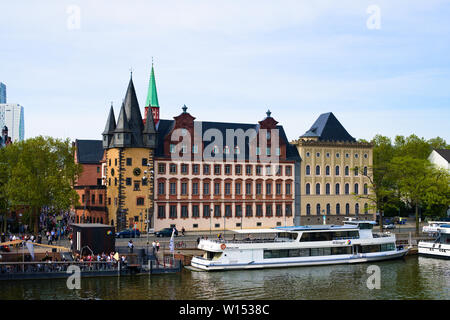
{"type": "Point", "coordinates": [89, 151]}
{"type": "Point", "coordinates": [328, 128]}
{"type": "Point", "coordinates": [444, 153]}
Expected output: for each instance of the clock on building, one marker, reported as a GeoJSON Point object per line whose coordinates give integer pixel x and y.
{"type": "Point", "coordinates": [137, 171]}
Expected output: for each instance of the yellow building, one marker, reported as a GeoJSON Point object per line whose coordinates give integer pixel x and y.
{"type": "Point", "coordinates": [332, 173]}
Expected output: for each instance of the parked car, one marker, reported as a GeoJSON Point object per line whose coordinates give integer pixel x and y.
{"type": "Point", "coordinates": [389, 226]}
{"type": "Point", "coordinates": [166, 232]}
{"type": "Point", "coordinates": [129, 233]}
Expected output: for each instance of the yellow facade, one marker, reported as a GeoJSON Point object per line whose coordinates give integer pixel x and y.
{"type": "Point", "coordinates": [333, 201]}
{"type": "Point", "coordinates": [125, 170]}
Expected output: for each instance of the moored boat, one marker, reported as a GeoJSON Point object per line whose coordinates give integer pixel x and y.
{"type": "Point", "coordinates": [439, 248]}
{"type": "Point", "coordinates": [353, 242]}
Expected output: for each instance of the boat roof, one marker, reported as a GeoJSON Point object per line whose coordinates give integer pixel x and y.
{"type": "Point", "coordinates": [359, 221]}
{"type": "Point", "coordinates": [438, 222]}
{"type": "Point", "coordinates": [256, 231]}
{"type": "Point", "coordinates": [445, 228]}
{"type": "Point", "coordinates": [317, 227]}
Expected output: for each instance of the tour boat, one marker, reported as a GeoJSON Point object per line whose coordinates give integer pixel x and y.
{"type": "Point", "coordinates": [440, 248]}
{"type": "Point", "coordinates": [353, 242]}
{"type": "Point", "coordinates": [433, 226]}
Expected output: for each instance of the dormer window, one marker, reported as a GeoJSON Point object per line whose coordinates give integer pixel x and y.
{"type": "Point", "coordinates": [226, 150]}
{"type": "Point", "coordinates": [237, 150]}
{"type": "Point", "coordinates": [172, 148]}
{"type": "Point", "coordinates": [216, 149]}
{"type": "Point", "coordinates": [195, 148]}
{"type": "Point", "coordinates": [183, 148]}
{"type": "Point", "coordinates": [268, 151]}
{"type": "Point", "coordinates": [258, 151]}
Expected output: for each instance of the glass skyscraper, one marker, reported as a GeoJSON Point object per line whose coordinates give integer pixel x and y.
{"type": "Point", "coordinates": [2, 93]}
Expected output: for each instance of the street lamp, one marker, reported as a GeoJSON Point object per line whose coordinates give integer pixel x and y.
{"type": "Point", "coordinates": [149, 177]}
{"type": "Point", "coordinates": [210, 221]}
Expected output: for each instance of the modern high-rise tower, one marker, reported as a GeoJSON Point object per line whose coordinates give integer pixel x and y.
{"type": "Point", "coordinates": [2, 93]}
{"type": "Point", "coordinates": [12, 116]}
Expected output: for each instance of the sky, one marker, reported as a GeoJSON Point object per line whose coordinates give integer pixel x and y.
{"type": "Point", "coordinates": [382, 67]}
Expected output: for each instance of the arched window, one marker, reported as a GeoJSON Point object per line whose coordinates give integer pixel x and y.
{"type": "Point", "coordinates": [318, 209]}
{"type": "Point", "coordinates": [366, 208]}
{"type": "Point", "coordinates": [365, 188]}
{"type": "Point", "coordinates": [328, 209]}
{"type": "Point", "coordinates": [308, 188]}
{"type": "Point", "coordinates": [327, 188]}
{"type": "Point", "coordinates": [365, 171]}
{"type": "Point", "coordinates": [337, 170]}
{"type": "Point", "coordinates": [308, 170]}
{"type": "Point", "coordinates": [338, 208]}
{"type": "Point", "coordinates": [347, 188]}
{"type": "Point", "coordinates": [317, 170]}
{"type": "Point", "coordinates": [356, 171]}
{"type": "Point", "coordinates": [346, 170]}
{"type": "Point", "coordinates": [347, 209]}
{"type": "Point", "coordinates": [308, 209]}
{"type": "Point", "coordinates": [318, 188]}
{"type": "Point", "coordinates": [327, 170]}
{"type": "Point", "coordinates": [356, 188]}
{"type": "Point", "coordinates": [357, 208]}
{"type": "Point", "coordinates": [338, 189]}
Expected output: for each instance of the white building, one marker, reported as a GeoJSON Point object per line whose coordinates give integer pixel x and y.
{"type": "Point", "coordinates": [440, 158]}
{"type": "Point", "coordinates": [12, 116]}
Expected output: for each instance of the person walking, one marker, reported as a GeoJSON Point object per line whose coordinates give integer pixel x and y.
{"type": "Point", "coordinates": [157, 246]}
{"type": "Point", "coordinates": [130, 246]}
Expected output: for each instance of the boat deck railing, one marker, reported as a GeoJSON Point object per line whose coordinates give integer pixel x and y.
{"type": "Point", "coordinates": [382, 235]}
{"type": "Point", "coordinates": [256, 240]}
{"type": "Point", "coordinates": [57, 266]}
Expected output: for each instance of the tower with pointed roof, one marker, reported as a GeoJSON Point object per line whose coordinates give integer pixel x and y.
{"type": "Point", "coordinates": [332, 173]}
{"type": "Point", "coordinates": [152, 98]}
{"type": "Point", "coordinates": [129, 148]}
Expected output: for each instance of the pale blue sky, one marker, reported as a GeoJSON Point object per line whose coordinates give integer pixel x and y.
{"type": "Point", "coordinates": [231, 61]}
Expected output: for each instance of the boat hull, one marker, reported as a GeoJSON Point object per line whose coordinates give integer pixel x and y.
{"type": "Point", "coordinates": [362, 258]}
{"type": "Point", "coordinates": [427, 249]}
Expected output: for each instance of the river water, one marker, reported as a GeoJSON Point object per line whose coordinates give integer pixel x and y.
{"type": "Point", "coordinates": [413, 277]}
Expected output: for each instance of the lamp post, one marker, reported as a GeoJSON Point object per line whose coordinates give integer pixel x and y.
{"type": "Point", "coordinates": [149, 177]}
{"type": "Point", "coordinates": [210, 221]}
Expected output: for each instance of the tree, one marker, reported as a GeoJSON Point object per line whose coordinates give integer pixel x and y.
{"type": "Point", "coordinates": [40, 172]}
{"type": "Point", "coordinates": [418, 182]}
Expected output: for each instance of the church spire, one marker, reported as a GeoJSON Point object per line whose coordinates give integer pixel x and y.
{"type": "Point", "coordinates": [152, 95]}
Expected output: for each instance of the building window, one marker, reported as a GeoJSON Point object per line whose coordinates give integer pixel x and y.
{"type": "Point", "coordinates": [195, 169]}
{"type": "Point", "coordinates": [217, 188]}
{"type": "Point", "coordinates": [365, 188]}
{"type": "Point", "coordinates": [144, 181]}
{"type": "Point", "coordinates": [144, 161]}
{"type": "Point", "coordinates": [129, 161]}
{"type": "Point", "coordinates": [268, 151]}
{"type": "Point", "coordinates": [258, 170]}
{"type": "Point", "coordinates": [173, 168]}
{"type": "Point", "coordinates": [195, 211]}
{"type": "Point", "coordinates": [327, 188]}
{"type": "Point", "coordinates": [162, 212]}
{"type": "Point", "coordinates": [365, 171]}
{"type": "Point", "coordinates": [206, 188]}
{"type": "Point", "coordinates": [248, 170]}
{"type": "Point", "coordinates": [328, 154]}
{"type": "Point", "coordinates": [173, 212]}
{"type": "Point", "coordinates": [248, 210]}
{"type": "Point", "coordinates": [288, 189]}
{"type": "Point", "coordinates": [308, 154]}
{"type": "Point", "coordinates": [228, 169]}
{"type": "Point", "coordinates": [161, 187]}
{"type": "Point", "coordinates": [238, 169]}
{"type": "Point", "coordinates": [308, 170]}
{"type": "Point", "coordinates": [268, 170]}
{"type": "Point", "coordinates": [279, 210]}
{"type": "Point", "coordinates": [137, 186]}
{"type": "Point", "coordinates": [258, 151]}
{"type": "Point", "coordinates": [183, 188]}
{"type": "Point", "coordinates": [365, 156]}
{"type": "Point", "coordinates": [338, 189]}
{"type": "Point", "coordinates": [318, 154]}
{"type": "Point", "coordinates": [161, 168]}
{"type": "Point", "coordinates": [278, 171]}
{"type": "Point", "coordinates": [356, 155]}
{"type": "Point", "coordinates": [93, 199]}
{"type": "Point", "coordinates": [317, 188]}
{"type": "Point", "coordinates": [308, 188]}
{"type": "Point", "coordinates": [347, 155]}
{"type": "Point", "coordinates": [317, 170]}
{"type": "Point", "coordinates": [268, 210]}
{"type": "Point", "coordinates": [337, 155]}
{"type": "Point", "coordinates": [237, 150]}
{"type": "Point", "coordinates": [347, 209]}
{"type": "Point", "coordinates": [268, 188]}
{"type": "Point", "coordinates": [206, 169]}
{"type": "Point", "coordinates": [227, 210]}
{"type": "Point", "coordinates": [356, 188]}
{"type": "Point", "coordinates": [278, 189]}
{"type": "Point", "coordinates": [347, 188]}
{"type": "Point", "coordinates": [184, 212]}
{"type": "Point", "coordinates": [347, 170]}
{"type": "Point", "coordinates": [356, 170]}
{"type": "Point", "coordinates": [237, 187]}
{"type": "Point", "coordinates": [288, 170]}
{"type": "Point", "coordinates": [100, 199]}
{"type": "Point", "coordinates": [226, 150]}
{"type": "Point", "coordinates": [248, 188]}
{"type": "Point", "coordinates": [328, 209]}
{"type": "Point", "coordinates": [206, 211]}
{"type": "Point", "coordinates": [238, 212]}
{"type": "Point", "coordinates": [259, 210]}
{"type": "Point", "coordinates": [173, 188]}
{"type": "Point", "coordinates": [217, 212]}
{"type": "Point", "coordinates": [195, 149]}
{"type": "Point", "coordinates": [337, 170]}
{"type": "Point", "coordinates": [258, 188]}
{"type": "Point", "coordinates": [184, 168]}
{"type": "Point", "coordinates": [217, 169]}
{"type": "Point", "coordinates": [327, 170]}
{"type": "Point", "coordinates": [195, 188]}
{"type": "Point", "coordinates": [128, 181]}
{"type": "Point", "coordinates": [357, 208]}
{"type": "Point", "coordinates": [338, 208]}
{"type": "Point", "coordinates": [140, 201]}
{"type": "Point", "coordinates": [308, 209]}
{"type": "Point", "coordinates": [318, 209]}
{"type": "Point", "coordinates": [227, 188]}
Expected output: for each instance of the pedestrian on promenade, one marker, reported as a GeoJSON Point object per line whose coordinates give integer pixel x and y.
{"type": "Point", "coordinates": [157, 246]}
{"type": "Point", "coordinates": [198, 240]}
{"type": "Point", "coordinates": [182, 231]}
{"type": "Point", "coordinates": [130, 245]}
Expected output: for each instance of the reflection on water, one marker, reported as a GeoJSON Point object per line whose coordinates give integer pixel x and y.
{"type": "Point", "coordinates": [410, 278]}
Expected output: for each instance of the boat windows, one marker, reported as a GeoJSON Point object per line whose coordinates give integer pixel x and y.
{"type": "Point", "coordinates": [306, 252]}
{"type": "Point", "coordinates": [364, 226]}
{"type": "Point", "coordinates": [371, 248]}
{"type": "Point", "coordinates": [387, 247]}
{"type": "Point", "coordinates": [329, 236]}
{"type": "Point", "coordinates": [341, 250]}
{"type": "Point", "coordinates": [212, 255]}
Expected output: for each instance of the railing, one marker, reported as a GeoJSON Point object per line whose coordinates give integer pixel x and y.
{"type": "Point", "coordinates": [382, 235]}
{"type": "Point", "coordinates": [262, 240]}
{"type": "Point", "coordinates": [52, 267]}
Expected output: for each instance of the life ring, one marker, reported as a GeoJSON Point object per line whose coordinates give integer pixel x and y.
{"type": "Point", "coordinates": [223, 246]}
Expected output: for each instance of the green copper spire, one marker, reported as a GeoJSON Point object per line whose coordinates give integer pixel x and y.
{"type": "Point", "coordinates": [152, 95]}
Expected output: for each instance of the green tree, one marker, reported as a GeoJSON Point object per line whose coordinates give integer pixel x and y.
{"type": "Point", "coordinates": [41, 172]}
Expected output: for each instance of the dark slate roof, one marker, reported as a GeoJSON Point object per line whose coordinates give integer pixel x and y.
{"type": "Point", "coordinates": [110, 123]}
{"type": "Point", "coordinates": [328, 128]}
{"type": "Point", "coordinates": [89, 151]}
{"type": "Point", "coordinates": [165, 126]}
{"type": "Point", "coordinates": [445, 153]}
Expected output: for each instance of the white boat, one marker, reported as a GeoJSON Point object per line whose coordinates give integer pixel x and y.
{"type": "Point", "coordinates": [433, 226]}
{"type": "Point", "coordinates": [352, 242]}
{"type": "Point", "coordinates": [440, 248]}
